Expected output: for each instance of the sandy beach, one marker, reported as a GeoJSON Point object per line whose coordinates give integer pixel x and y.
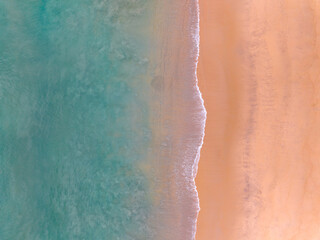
{"type": "Point", "coordinates": [259, 74]}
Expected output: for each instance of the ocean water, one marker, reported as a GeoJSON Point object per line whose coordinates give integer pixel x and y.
{"type": "Point", "coordinates": [81, 156]}
{"type": "Point", "coordinates": [72, 123]}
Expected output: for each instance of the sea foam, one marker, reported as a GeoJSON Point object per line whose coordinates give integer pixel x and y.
{"type": "Point", "coordinates": [180, 119]}
{"type": "Point", "coordinates": [203, 113]}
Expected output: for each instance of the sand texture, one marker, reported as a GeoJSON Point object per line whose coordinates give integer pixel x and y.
{"type": "Point", "coordinates": [176, 119]}
{"type": "Point", "coordinates": [259, 71]}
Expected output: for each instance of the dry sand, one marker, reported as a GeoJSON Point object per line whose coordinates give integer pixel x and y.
{"type": "Point", "coordinates": [259, 72]}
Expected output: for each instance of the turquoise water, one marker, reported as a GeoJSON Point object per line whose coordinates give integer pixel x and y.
{"type": "Point", "coordinates": [73, 119]}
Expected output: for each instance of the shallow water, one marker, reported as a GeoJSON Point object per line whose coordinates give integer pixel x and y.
{"type": "Point", "coordinates": [81, 155]}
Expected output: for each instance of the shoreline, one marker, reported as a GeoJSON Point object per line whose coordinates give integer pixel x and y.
{"type": "Point", "coordinates": [197, 158]}
{"type": "Point", "coordinates": [196, 36]}
{"type": "Point", "coordinates": [177, 119]}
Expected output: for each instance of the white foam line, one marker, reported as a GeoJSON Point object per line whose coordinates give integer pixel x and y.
{"type": "Point", "coordinates": [196, 37]}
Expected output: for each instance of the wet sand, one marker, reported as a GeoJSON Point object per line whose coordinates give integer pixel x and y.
{"type": "Point", "coordinates": [259, 72]}
{"type": "Point", "coordinates": [176, 120]}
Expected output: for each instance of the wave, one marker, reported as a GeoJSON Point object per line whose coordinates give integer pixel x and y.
{"type": "Point", "coordinates": [203, 114]}
{"type": "Point", "coordinates": [178, 120]}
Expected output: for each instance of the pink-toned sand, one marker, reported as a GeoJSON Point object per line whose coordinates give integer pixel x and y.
{"type": "Point", "coordinates": [259, 71]}
{"type": "Point", "coordinates": [176, 118]}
